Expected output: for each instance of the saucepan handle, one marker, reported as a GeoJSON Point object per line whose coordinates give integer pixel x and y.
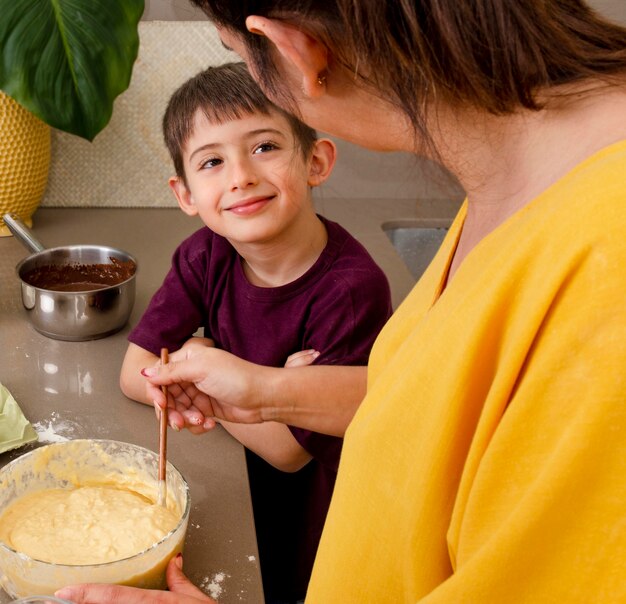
{"type": "Point", "coordinates": [22, 232]}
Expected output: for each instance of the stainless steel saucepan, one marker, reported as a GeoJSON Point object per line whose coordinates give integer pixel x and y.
{"type": "Point", "coordinates": [76, 292]}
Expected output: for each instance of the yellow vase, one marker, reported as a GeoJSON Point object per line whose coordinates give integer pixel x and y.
{"type": "Point", "coordinates": [24, 161]}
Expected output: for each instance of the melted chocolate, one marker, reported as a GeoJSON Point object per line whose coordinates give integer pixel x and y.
{"type": "Point", "coordinates": [80, 277]}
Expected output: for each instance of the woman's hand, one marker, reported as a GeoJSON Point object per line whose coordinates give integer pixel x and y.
{"type": "Point", "coordinates": [185, 401]}
{"type": "Point", "coordinates": [184, 404]}
{"type": "Point", "coordinates": [210, 381]}
{"type": "Point", "coordinates": [199, 368]}
{"type": "Point", "coordinates": [181, 591]}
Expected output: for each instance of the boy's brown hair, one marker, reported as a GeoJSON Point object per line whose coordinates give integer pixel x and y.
{"type": "Point", "coordinates": [223, 93]}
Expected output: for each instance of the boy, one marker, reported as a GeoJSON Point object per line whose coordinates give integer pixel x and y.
{"type": "Point", "coordinates": [266, 279]}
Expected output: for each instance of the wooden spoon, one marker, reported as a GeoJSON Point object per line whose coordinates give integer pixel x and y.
{"type": "Point", "coordinates": [163, 439]}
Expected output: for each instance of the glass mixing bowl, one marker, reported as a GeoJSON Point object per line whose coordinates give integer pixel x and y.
{"type": "Point", "coordinates": [69, 464]}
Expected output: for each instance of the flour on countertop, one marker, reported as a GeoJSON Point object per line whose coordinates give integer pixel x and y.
{"type": "Point", "coordinates": [55, 429]}
{"type": "Point", "coordinates": [213, 585]}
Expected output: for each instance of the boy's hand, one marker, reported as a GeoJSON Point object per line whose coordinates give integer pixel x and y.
{"type": "Point", "coordinates": [302, 358]}
{"type": "Point", "coordinates": [197, 343]}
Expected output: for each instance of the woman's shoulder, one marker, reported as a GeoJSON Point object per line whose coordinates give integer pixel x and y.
{"type": "Point", "coordinates": [604, 168]}
{"type": "Point", "coordinates": [591, 199]}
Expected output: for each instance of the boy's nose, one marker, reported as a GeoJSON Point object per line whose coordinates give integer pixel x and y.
{"type": "Point", "coordinates": [243, 175]}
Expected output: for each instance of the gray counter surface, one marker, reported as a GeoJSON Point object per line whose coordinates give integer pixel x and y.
{"type": "Point", "coordinates": [70, 390]}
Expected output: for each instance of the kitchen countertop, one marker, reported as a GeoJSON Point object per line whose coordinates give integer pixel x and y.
{"type": "Point", "coordinates": [70, 389]}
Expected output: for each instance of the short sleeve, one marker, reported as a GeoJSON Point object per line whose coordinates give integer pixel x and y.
{"type": "Point", "coordinates": [175, 311]}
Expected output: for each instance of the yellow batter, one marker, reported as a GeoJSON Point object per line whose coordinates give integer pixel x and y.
{"type": "Point", "coordinates": [86, 525]}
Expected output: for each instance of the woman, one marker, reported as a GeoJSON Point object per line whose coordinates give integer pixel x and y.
{"type": "Point", "coordinates": [486, 462]}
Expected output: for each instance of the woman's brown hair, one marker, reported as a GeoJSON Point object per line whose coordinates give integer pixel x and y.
{"type": "Point", "coordinates": [494, 55]}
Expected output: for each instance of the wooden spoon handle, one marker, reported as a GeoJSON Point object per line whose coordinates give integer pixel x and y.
{"type": "Point", "coordinates": [163, 423]}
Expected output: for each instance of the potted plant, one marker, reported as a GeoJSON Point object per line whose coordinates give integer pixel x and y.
{"type": "Point", "coordinates": [62, 64]}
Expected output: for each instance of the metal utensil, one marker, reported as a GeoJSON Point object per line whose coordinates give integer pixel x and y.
{"type": "Point", "coordinates": [163, 439]}
{"type": "Point", "coordinates": [72, 315]}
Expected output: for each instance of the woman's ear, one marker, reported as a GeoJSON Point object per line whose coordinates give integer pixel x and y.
{"type": "Point", "coordinates": [183, 195]}
{"type": "Point", "coordinates": [306, 53]}
{"type": "Point", "coordinates": [321, 161]}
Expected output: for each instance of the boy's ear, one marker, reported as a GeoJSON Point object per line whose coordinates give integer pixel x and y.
{"type": "Point", "coordinates": [321, 161]}
{"type": "Point", "coordinates": [183, 195]}
{"type": "Point", "coordinates": [307, 54]}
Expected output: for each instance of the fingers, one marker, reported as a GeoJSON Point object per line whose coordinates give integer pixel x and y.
{"type": "Point", "coordinates": [177, 394]}
{"type": "Point", "coordinates": [178, 583]}
{"type": "Point", "coordinates": [94, 593]}
{"type": "Point", "coordinates": [201, 401]}
{"type": "Point", "coordinates": [302, 358]}
{"type": "Point", "coordinates": [176, 420]}
{"type": "Point", "coordinates": [209, 424]}
{"type": "Point", "coordinates": [193, 417]}
{"type": "Point", "coordinates": [176, 372]}
{"type": "Point", "coordinates": [181, 590]}
{"type": "Point", "coordinates": [155, 394]}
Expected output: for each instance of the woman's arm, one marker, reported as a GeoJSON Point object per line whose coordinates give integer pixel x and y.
{"type": "Point", "coordinates": [322, 398]}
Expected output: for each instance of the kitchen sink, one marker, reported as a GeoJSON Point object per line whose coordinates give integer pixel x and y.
{"type": "Point", "coordinates": [416, 241]}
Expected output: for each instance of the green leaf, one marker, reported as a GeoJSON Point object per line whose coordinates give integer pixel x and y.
{"type": "Point", "coordinates": [67, 60]}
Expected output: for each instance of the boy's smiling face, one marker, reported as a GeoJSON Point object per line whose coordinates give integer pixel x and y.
{"type": "Point", "coordinates": [247, 178]}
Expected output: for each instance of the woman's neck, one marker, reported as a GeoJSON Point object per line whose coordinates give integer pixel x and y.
{"type": "Point", "coordinates": [504, 162]}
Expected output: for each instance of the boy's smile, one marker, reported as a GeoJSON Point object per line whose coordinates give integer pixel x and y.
{"type": "Point", "coordinates": [249, 206]}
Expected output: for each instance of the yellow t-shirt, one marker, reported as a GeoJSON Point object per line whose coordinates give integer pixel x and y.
{"type": "Point", "coordinates": [487, 463]}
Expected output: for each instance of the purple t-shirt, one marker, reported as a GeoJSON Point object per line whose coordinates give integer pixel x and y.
{"type": "Point", "coordinates": [337, 307]}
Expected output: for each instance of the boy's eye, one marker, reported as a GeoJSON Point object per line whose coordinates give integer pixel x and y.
{"type": "Point", "coordinates": [211, 163]}
{"type": "Point", "coordinates": [265, 147]}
